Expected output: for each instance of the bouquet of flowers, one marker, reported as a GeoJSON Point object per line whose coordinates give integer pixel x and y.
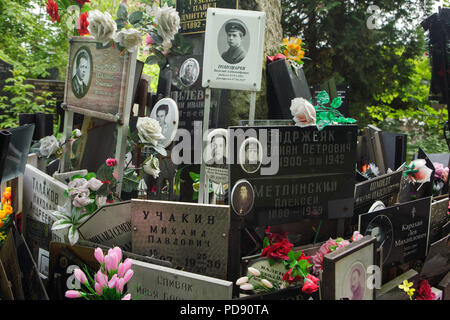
{"type": "Point", "coordinates": [291, 51]}
{"type": "Point", "coordinates": [278, 249]}
{"type": "Point", "coordinates": [423, 291]}
{"type": "Point", "coordinates": [109, 281]}
{"type": "Point", "coordinates": [6, 211]}
{"type": "Point", "coordinates": [158, 25]}
{"type": "Point", "coordinates": [85, 194]}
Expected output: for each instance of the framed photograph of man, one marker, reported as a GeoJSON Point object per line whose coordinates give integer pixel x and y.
{"type": "Point", "coordinates": [189, 72]}
{"type": "Point", "coordinates": [345, 271]}
{"type": "Point", "coordinates": [166, 112]}
{"type": "Point", "coordinates": [234, 42]}
{"type": "Point", "coordinates": [99, 81]}
{"type": "Point", "coordinates": [242, 197]}
{"type": "Point", "coordinates": [216, 156]}
{"type": "Point", "coordinates": [250, 155]}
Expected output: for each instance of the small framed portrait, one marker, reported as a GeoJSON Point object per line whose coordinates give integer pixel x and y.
{"type": "Point", "coordinates": [189, 72]}
{"type": "Point", "coordinates": [250, 155]}
{"type": "Point", "coordinates": [242, 197]}
{"type": "Point", "coordinates": [345, 271]}
{"type": "Point", "coordinates": [81, 72]}
{"type": "Point", "coordinates": [166, 112]}
{"type": "Point", "coordinates": [216, 148]}
{"type": "Point", "coordinates": [234, 43]}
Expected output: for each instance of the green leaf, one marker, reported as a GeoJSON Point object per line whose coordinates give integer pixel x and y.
{"type": "Point", "coordinates": [337, 102]}
{"type": "Point", "coordinates": [323, 98]}
{"type": "Point", "coordinates": [156, 37]}
{"type": "Point", "coordinates": [135, 17]}
{"type": "Point", "coordinates": [77, 176]}
{"type": "Point", "coordinates": [122, 12]}
{"type": "Point", "coordinates": [90, 175]}
{"type": "Point", "coordinates": [160, 150]}
{"type": "Point", "coordinates": [194, 176]}
{"type": "Point", "coordinates": [151, 60]}
{"type": "Point", "coordinates": [120, 24]}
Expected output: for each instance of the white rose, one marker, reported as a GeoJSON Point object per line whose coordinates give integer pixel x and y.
{"type": "Point", "coordinates": [76, 133]}
{"type": "Point", "coordinates": [94, 184]}
{"type": "Point", "coordinates": [149, 130]}
{"type": "Point", "coordinates": [303, 112]}
{"type": "Point", "coordinates": [424, 173]}
{"type": "Point", "coordinates": [100, 201]}
{"type": "Point", "coordinates": [129, 38]}
{"type": "Point", "coordinates": [151, 167]}
{"type": "Point", "coordinates": [101, 26]}
{"type": "Point", "coordinates": [168, 21]}
{"type": "Point", "coordinates": [77, 191]}
{"type": "Point", "coordinates": [49, 145]}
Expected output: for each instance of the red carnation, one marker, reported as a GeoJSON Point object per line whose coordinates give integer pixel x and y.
{"type": "Point", "coordinates": [111, 162]}
{"type": "Point", "coordinates": [310, 284]}
{"type": "Point", "coordinates": [278, 250]}
{"type": "Point", "coordinates": [82, 24]}
{"type": "Point", "coordinates": [424, 291]}
{"type": "Point", "coordinates": [52, 10]}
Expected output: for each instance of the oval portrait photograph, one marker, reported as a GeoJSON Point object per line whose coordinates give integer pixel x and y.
{"type": "Point", "coordinates": [355, 282]}
{"type": "Point", "coordinates": [233, 41]}
{"type": "Point", "coordinates": [250, 155]}
{"type": "Point", "coordinates": [189, 72]}
{"type": "Point", "coordinates": [242, 197]}
{"type": "Point", "coordinates": [381, 228]}
{"type": "Point", "coordinates": [166, 112]}
{"type": "Point", "coordinates": [81, 72]}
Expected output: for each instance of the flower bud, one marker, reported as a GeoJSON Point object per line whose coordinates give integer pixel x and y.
{"type": "Point", "coordinates": [254, 271]}
{"type": "Point", "coordinates": [72, 294]}
{"type": "Point", "coordinates": [241, 281]}
{"type": "Point", "coordinates": [267, 283]}
{"type": "Point", "coordinates": [247, 287]}
{"type": "Point", "coordinates": [98, 254]}
{"type": "Point", "coordinates": [80, 276]}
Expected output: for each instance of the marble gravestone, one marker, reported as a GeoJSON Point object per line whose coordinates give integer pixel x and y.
{"type": "Point", "coordinates": [153, 282]}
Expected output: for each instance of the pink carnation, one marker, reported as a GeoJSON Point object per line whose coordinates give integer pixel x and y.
{"type": "Point", "coordinates": [111, 162]}
{"type": "Point", "coordinates": [357, 236]}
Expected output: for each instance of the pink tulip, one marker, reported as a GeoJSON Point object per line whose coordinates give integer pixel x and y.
{"type": "Point", "coordinates": [111, 261]}
{"type": "Point", "coordinates": [127, 297]}
{"type": "Point", "coordinates": [98, 254]}
{"type": "Point", "coordinates": [98, 288]}
{"type": "Point", "coordinates": [128, 275]}
{"type": "Point", "coordinates": [101, 278]}
{"type": "Point", "coordinates": [80, 276]}
{"type": "Point", "coordinates": [120, 269]}
{"type": "Point", "coordinates": [149, 39]}
{"type": "Point", "coordinates": [112, 282]}
{"type": "Point", "coordinates": [118, 253]}
{"type": "Point", "coordinates": [127, 265]}
{"type": "Point", "coordinates": [72, 294]}
{"type": "Point", "coordinates": [119, 285]}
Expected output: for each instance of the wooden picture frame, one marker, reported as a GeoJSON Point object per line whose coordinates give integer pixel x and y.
{"type": "Point", "coordinates": [355, 257]}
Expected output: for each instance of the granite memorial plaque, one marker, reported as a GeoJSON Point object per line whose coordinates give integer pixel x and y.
{"type": "Point", "coordinates": [384, 188]}
{"type": "Point", "coordinates": [296, 173]}
{"type": "Point", "coordinates": [438, 218]}
{"type": "Point", "coordinates": [153, 282]}
{"type": "Point", "coordinates": [193, 13]}
{"type": "Point", "coordinates": [54, 86]}
{"type": "Point", "coordinates": [191, 236]}
{"type": "Point", "coordinates": [41, 192]}
{"type": "Point", "coordinates": [274, 273]}
{"type": "Point", "coordinates": [391, 291]}
{"type": "Point", "coordinates": [97, 79]}
{"type": "Point", "coordinates": [402, 231]}
{"type": "Point", "coordinates": [110, 225]}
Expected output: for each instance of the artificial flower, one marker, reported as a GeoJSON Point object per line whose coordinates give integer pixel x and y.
{"type": "Point", "coordinates": [357, 236]}
{"type": "Point", "coordinates": [287, 277]}
{"type": "Point", "coordinates": [278, 250]}
{"type": "Point", "coordinates": [149, 39]}
{"type": "Point", "coordinates": [82, 28]}
{"type": "Point", "coordinates": [111, 162]}
{"type": "Point", "coordinates": [129, 39]}
{"type": "Point", "coordinates": [424, 291]}
{"type": "Point", "coordinates": [247, 287]}
{"type": "Point", "coordinates": [292, 49]}
{"type": "Point", "coordinates": [151, 166]}
{"type": "Point", "coordinates": [82, 2]}
{"type": "Point", "coordinates": [149, 130]}
{"type": "Point", "coordinates": [418, 172]}
{"type": "Point", "coordinates": [276, 57]}
{"type": "Point", "coordinates": [101, 26]}
{"type": "Point", "coordinates": [310, 284]}
{"type": "Point", "coordinates": [81, 200]}
{"type": "Point", "coordinates": [168, 21]}
{"type": "Point", "coordinates": [49, 145]}
{"type": "Point", "coordinates": [94, 184]}
{"type": "Point", "coordinates": [255, 272]}
{"type": "Point", "coordinates": [52, 10]}
{"type": "Point", "coordinates": [303, 112]}
{"type": "Point", "coordinates": [241, 281]}
{"type": "Point", "coordinates": [78, 183]}
{"type": "Point", "coordinates": [267, 283]}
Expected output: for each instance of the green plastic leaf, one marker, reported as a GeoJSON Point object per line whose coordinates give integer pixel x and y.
{"type": "Point", "coordinates": [323, 98]}
{"type": "Point", "coordinates": [135, 17]}
{"type": "Point", "coordinates": [90, 175]}
{"type": "Point", "coordinates": [122, 12]}
{"type": "Point", "coordinates": [194, 176]}
{"type": "Point", "coordinates": [151, 60]}
{"type": "Point", "coordinates": [120, 24]}
{"type": "Point", "coordinates": [157, 38]}
{"type": "Point", "coordinates": [76, 176]}
{"type": "Point", "coordinates": [336, 103]}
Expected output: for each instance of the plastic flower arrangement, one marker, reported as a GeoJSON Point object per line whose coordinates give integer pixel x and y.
{"type": "Point", "coordinates": [157, 25]}
{"type": "Point", "coordinates": [109, 281]}
{"type": "Point", "coordinates": [292, 50]}
{"type": "Point", "coordinates": [278, 249]}
{"type": "Point", "coordinates": [418, 172]}
{"type": "Point", "coordinates": [423, 291]}
{"type": "Point", "coordinates": [85, 195]}
{"type": "Point", "coordinates": [6, 211]}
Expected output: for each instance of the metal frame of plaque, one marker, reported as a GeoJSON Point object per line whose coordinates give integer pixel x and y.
{"type": "Point", "coordinates": [117, 110]}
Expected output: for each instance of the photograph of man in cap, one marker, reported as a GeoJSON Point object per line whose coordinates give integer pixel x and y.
{"type": "Point", "coordinates": [235, 33]}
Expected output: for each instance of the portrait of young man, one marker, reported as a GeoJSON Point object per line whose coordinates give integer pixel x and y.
{"type": "Point", "coordinates": [236, 32]}
{"type": "Point", "coordinates": [80, 80]}
{"type": "Point", "coordinates": [161, 115]}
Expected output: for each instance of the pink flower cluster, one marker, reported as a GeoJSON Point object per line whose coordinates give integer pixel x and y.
{"type": "Point", "coordinates": [440, 172]}
{"type": "Point", "coordinates": [110, 279]}
{"type": "Point", "coordinates": [330, 246]}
